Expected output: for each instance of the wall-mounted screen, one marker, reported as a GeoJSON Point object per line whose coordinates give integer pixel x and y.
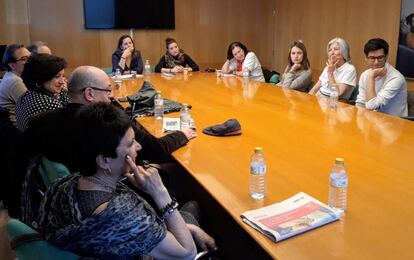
{"type": "Point", "coordinates": [128, 14]}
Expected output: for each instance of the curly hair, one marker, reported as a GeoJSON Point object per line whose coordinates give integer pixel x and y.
{"type": "Point", "coordinates": [41, 68]}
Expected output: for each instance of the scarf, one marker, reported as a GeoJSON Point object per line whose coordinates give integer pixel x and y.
{"type": "Point", "coordinates": [173, 61]}
{"type": "Point", "coordinates": [128, 227]}
{"type": "Point", "coordinates": [239, 65]}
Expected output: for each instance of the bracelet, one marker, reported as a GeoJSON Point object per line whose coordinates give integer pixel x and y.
{"type": "Point", "coordinates": [169, 208]}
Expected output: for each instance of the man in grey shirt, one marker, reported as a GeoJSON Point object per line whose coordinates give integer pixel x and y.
{"type": "Point", "coordinates": [12, 86]}
{"type": "Point", "coordinates": [382, 88]}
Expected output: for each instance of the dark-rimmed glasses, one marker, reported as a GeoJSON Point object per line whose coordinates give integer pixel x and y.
{"type": "Point", "coordinates": [24, 59]}
{"type": "Point", "coordinates": [107, 90]}
{"type": "Point", "coordinates": [378, 58]}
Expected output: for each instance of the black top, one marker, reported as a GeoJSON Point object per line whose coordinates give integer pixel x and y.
{"type": "Point", "coordinates": [89, 200]}
{"type": "Point", "coordinates": [187, 61]}
{"type": "Point", "coordinates": [136, 62]}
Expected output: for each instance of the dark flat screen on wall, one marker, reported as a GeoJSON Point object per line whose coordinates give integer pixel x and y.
{"type": "Point", "coordinates": [128, 14]}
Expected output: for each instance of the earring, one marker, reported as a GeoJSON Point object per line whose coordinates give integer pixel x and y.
{"type": "Point", "coordinates": [37, 85]}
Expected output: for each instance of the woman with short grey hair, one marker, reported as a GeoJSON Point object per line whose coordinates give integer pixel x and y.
{"type": "Point", "coordinates": [338, 70]}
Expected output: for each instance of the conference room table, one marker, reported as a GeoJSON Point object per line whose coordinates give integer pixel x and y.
{"type": "Point", "coordinates": [301, 136]}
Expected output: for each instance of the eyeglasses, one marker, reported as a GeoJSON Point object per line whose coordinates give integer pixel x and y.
{"type": "Point", "coordinates": [24, 59]}
{"type": "Point", "coordinates": [378, 58]}
{"type": "Point", "coordinates": [107, 90]}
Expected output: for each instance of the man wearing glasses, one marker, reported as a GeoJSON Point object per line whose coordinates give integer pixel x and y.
{"type": "Point", "coordinates": [12, 86]}
{"type": "Point", "coordinates": [381, 87]}
{"type": "Point", "coordinates": [88, 85]}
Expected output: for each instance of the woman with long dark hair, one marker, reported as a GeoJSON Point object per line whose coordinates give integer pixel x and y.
{"type": "Point", "coordinates": [126, 58]}
{"type": "Point", "coordinates": [240, 59]}
{"type": "Point", "coordinates": [175, 59]}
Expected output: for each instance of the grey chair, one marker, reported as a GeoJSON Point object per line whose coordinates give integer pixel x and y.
{"type": "Point", "coordinates": [410, 104]}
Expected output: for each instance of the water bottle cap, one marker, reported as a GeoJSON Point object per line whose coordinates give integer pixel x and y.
{"type": "Point", "coordinates": [339, 160]}
{"type": "Point", "coordinates": [258, 149]}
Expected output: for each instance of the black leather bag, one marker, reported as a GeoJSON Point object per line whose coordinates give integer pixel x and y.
{"type": "Point", "coordinates": [142, 102]}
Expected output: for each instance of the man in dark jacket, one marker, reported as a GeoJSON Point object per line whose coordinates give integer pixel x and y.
{"type": "Point", "coordinates": [51, 133]}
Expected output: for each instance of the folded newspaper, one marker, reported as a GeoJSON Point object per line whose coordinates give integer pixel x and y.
{"type": "Point", "coordinates": [290, 217]}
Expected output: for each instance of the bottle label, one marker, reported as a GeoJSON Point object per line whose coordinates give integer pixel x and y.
{"type": "Point", "coordinates": [185, 117]}
{"type": "Point", "coordinates": [257, 168]}
{"type": "Point", "coordinates": [159, 102]}
{"type": "Point", "coordinates": [338, 180]}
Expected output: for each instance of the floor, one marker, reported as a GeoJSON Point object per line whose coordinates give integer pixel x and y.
{"type": "Point", "coordinates": [5, 252]}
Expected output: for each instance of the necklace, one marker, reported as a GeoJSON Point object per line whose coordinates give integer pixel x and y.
{"type": "Point", "coordinates": [100, 183]}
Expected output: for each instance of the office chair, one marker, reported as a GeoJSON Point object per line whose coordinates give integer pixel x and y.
{"type": "Point", "coordinates": [410, 105]}
{"type": "Point", "coordinates": [29, 244]}
{"type": "Point", "coordinates": [353, 96]}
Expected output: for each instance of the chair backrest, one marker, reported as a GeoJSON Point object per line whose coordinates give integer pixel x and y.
{"type": "Point", "coordinates": [51, 171]}
{"type": "Point", "coordinates": [28, 244]}
{"type": "Point", "coordinates": [410, 103]}
{"type": "Point", "coordinates": [353, 96]}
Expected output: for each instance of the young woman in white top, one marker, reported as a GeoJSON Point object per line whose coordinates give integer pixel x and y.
{"type": "Point", "coordinates": [298, 74]}
{"type": "Point", "coordinates": [338, 70]}
{"type": "Point", "coordinates": [239, 59]}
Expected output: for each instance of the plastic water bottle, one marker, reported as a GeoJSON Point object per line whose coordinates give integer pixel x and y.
{"type": "Point", "coordinates": [333, 98]}
{"type": "Point", "coordinates": [118, 79]}
{"type": "Point", "coordinates": [258, 174]}
{"type": "Point", "coordinates": [158, 106]}
{"type": "Point", "coordinates": [147, 68]}
{"type": "Point", "coordinates": [338, 184]}
{"type": "Point", "coordinates": [246, 73]}
{"type": "Point", "coordinates": [185, 117]}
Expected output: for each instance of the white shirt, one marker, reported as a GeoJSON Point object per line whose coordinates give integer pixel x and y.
{"type": "Point", "coordinates": [251, 62]}
{"type": "Point", "coordinates": [11, 88]}
{"type": "Point", "coordinates": [391, 92]}
{"type": "Point", "coordinates": [346, 74]}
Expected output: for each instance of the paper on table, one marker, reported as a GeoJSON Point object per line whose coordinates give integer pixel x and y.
{"type": "Point", "coordinates": [170, 124]}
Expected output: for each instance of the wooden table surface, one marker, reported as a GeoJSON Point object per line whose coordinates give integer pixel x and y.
{"type": "Point", "coordinates": [300, 136]}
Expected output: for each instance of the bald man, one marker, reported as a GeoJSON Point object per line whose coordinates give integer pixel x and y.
{"type": "Point", "coordinates": [51, 133]}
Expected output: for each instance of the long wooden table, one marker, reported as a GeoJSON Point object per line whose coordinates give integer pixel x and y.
{"type": "Point", "coordinates": [300, 136]}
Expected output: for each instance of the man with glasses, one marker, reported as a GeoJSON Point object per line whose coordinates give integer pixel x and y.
{"type": "Point", "coordinates": [51, 133]}
{"type": "Point", "coordinates": [382, 88]}
{"type": "Point", "coordinates": [12, 86]}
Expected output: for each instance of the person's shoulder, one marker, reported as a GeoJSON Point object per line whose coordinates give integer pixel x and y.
{"type": "Point", "coordinates": [117, 53]}
{"type": "Point", "coordinates": [349, 66]}
{"type": "Point", "coordinates": [250, 54]}
{"type": "Point", "coordinates": [365, 73]}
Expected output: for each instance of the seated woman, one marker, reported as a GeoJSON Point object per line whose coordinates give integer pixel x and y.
{"type": "Point", "coordinates": [126, 58]}
{"type": "Point", "coordinates": [298, 74]}
{"type": "Point", "coordinates": [239, 59]}
{"type": "Point", "coordinates": [93, 214]}
{"type": "Point", "coordinates": [44, 77]}
{"type": "Point", "coordinates": [338, 70]}
{"type": "Point", "coordinates": [175, 60]}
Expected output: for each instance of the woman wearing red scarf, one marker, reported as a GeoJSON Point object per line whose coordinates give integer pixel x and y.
{"type": "Point", "coordinates": [240, 59]}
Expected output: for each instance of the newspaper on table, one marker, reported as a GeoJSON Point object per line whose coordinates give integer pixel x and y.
{"type": "Point", "coordinates": [290, 217]}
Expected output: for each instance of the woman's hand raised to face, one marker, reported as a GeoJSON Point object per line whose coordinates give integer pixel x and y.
{"type": "Point", "coordinates": [147, 180]}
{"type": "Point", "coordinates": [127, 53]}
{"type": "Point", "coordinates": [331, 65]}
{"type": "Point", "coordinates": [295, 67]}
